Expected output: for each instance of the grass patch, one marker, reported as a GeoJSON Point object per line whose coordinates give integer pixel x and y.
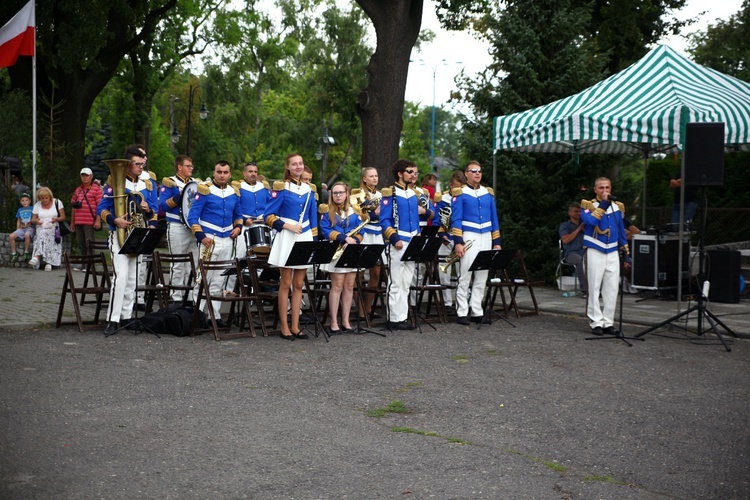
{"type": "Point", "coordinates": [409, 386]}
{"type": "Point", "coordinates": [491, 352]}
{"type": "Point", "coordinates": [409, 430]}
{"type": "Point", "coordinates": [605, 479]}
{"type": "Point", "coordinates": [547, 463]}
{"type": "Point", "coordinates": [393, 407]}
{"type": "Point", "coordinates": [461, 358]}
{"type": "Point", "coordinates": [7, 299]}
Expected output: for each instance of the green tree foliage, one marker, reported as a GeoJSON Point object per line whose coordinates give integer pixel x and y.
{"type": "Point", "coordinates": [725, 46]}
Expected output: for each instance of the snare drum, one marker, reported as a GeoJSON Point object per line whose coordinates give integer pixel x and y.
{"type": "Point", "coordinates": [258, 238]}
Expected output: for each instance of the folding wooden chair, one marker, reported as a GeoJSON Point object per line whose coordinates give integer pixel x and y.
{"type": "Point", "coordinates": [96, 247]}
{"type": "Point", "coordinates": [380, 291]}
{"type": "Point", "coordinates": [263, 289]}
{"type": "Point", "coordinates": [152, 291]}
{"type": "Point", "coordinates": [239, 299]}
{"type": "Point", "coordinates": [512, 278]}
{"type": "Point", "coordinates": [163, 263]}
{"type": "Point", "coordinates": [98, 289]}
{"type": "Point", "coordinates": [431, 285]}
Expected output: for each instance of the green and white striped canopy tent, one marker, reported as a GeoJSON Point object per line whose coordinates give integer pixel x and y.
{"type": "Point", "coordinates": [640, 110]}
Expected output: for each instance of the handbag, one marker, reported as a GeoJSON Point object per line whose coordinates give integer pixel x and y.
{"type": "Point", "coordinates": [63, 226]}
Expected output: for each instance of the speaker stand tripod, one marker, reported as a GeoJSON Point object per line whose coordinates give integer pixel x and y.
{"type": "Point", "coordinates": [700, 306]}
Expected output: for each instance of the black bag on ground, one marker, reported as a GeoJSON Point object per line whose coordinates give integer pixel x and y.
{"type": "Point", "coordinates": [173, 320]}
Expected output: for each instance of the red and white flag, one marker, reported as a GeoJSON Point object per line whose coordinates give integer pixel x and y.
{"type": "Point", "coordinates": [17, 36]}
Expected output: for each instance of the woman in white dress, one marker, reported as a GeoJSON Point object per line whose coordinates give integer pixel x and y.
{"type": "Point", "coordinates": [48, 212]}
{"type": "Point", "coordinates": [292, 212]}
{"type": "Point", "coordinates": [335, 224]}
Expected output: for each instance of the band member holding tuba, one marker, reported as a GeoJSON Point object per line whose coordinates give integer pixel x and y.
{"type": "Point", "coordinates": [180, 238]}
{"type": "Point", "coordinates": [442, 219]}
{"type": "Point", "coordinates": [292, 211]}
{"type": "Point", "coordinates": [372, 233]}
{"type": "Point", "coordinates": [340, 223]}
{"type": "Point", "coordinates": [127, 203]}
{"type": "Point", "coordinates": [473, 219]}
{"type": "Point", "coordinates": [399, 220]}
{"type": "Point", "coordinates": [146, 175]}
{"type": "Point", "coordinates": [216, 220]}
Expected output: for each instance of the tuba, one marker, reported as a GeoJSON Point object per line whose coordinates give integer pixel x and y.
{"type": "Point", "coordinates": [123, 205]}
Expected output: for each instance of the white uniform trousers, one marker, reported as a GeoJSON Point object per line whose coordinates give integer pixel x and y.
{"type": "Point", "coordinates": [398, 289]}
{"type": "Point", "coordinates": [445, 277]}
{"type": "Point", "coordinates": [603, 273]}
{"type": "Point", "coordinates": [482, 241]}
{"type": "Point", "coordinates": [122, 291]}
{"type": "Point", "coordinates": [180, 239]}
{"type": "Point", "coordinates": [222, 251]}
{"type": "Point", "coordinates": [240, 251]}
{"type": "Point", "coordinates": [142, 275]}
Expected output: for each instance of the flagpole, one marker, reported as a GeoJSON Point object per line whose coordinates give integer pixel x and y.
{"type": "Point", "coordinates": [33, 110]}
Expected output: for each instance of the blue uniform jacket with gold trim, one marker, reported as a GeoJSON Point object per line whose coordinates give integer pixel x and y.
{"type": "Point", "coordinates": [215, 211]}
{"type": "Point", "coordinates": [254, 199]}
{"type": "Point", "coordinates": [407, 206]}
{"type": "Point", "coordinates": [290, 199]}
{"type": "Point", "coordinates": [474, 210]}
{"type": "Point", "coordinates": [170, 196]}
{"type": "Point", "coordinates": [603, 229]}
{"type": "Point", "coordinates": [106, 208]}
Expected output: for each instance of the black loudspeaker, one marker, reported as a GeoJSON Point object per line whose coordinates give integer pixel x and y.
{"type": "Point", "coordinates": [704, 154]}
{"type": "Point", "coordinates": [724, 275]}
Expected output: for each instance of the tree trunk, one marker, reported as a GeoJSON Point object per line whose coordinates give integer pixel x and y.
{"type": "Point", "coordinates": [381, 104]}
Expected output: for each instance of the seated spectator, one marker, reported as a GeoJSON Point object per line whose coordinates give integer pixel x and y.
{"type": "Point", "coordinates": [24, 229]}
{"type": "Point", "coordinates": [48, 244]}
{"type": "Point", "coordinates": [571, 235]}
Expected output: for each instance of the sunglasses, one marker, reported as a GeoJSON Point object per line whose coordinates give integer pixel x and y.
{"type": "Point", "coordinates": [139, 163]}
{"type": "Point", "coordinates": [411, 172]}
{"type": "Point", "coordinates": [475, 170]}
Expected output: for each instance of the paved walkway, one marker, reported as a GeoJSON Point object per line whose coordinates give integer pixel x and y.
{"type": "Point", "coordinates": [30, 299]}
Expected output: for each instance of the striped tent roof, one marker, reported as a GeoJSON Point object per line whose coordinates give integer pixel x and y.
{"type": "Point", "coordinates": [642, 109]}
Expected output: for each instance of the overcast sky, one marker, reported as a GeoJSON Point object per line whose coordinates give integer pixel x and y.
{"type": "Point", "coordinates": [451, 52]}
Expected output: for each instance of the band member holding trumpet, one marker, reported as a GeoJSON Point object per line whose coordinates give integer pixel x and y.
{"type": "Point", "coordinates": [340, 223]}
{"type": "Point", "coordinates": [179, 236]}
{"type": "Point", "coordinates": [133, 197]}
{"type": "Point", "coordinates": [292, 211]}
{"type": "Point", "coordinates": [473, 219]}
{"type": "Point", "coordinates": [399, 220]}
{"type": "Point", "coordinates": [372, 233]}
{"type": "Point", "coordinates": [216, 220]}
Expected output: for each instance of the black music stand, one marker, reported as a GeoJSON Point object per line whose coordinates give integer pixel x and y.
{"type": "Point", "coordinates": [421, 249]}
{"type": "Point", "coordinates": [487, 260]}
{"type": "Point", "coordinates": [140, 241]}
{"type": "Point", "coordinates": [312, 253]}
{"type": "Point", "coordinates": [429, 231]}
{"type": "Point", "coordinates": [360, 257]}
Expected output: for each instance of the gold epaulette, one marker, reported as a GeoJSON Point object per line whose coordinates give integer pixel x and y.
{"type": "Point", "coordinates": [236, 183]}
{"type": "Point", "coordinates": [388, 191]}
{"type": "Point", "coordinates": [356, 191]}
{"type": "Point", "coordinates": [438, 198]}
{"type": "Point", "coordinates": [168, 182]}
{"type": "Point", "coordinates": [109, 180]}
{"type": "Point", "coordinates": [457, 191]}
{"type": "Point", "coordinates": [491, 191]}
{"type": "Point", "coordinates": [587, 205]}
{"type": "Point", "coordinates": [322, 208]}
{"type": "Point", "coordinates": [621, 206]}
{"type": "Point", "coordinates": [149, 184]}
{"type": "Point", "coordinates": [152, 175]}
{"type": "Point", "coordinates": [236, 188]}
{"type": "Point", "coordinates": [265, 185]}
{"type": "Point", "coordinates": [278, 185]}
{"type": "Point", "coordinates": [204, 188]}
{"type": "Point", "coordinates": [313, 187]}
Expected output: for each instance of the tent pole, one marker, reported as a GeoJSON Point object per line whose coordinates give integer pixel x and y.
{"type": "Point", "coordinates": [643, 195]}
{"type": "Point", "coordinates": [494, 172]}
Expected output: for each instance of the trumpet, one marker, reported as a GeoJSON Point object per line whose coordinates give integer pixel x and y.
{"type": "Point", "coordinates": [206, 253]}
{"type": "Point", "coordinates": [452, 257]}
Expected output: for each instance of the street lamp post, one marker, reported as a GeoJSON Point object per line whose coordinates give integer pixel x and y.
{"type": "Point", "coordinates": [325, 141]}
{"type": "Point", "coordinates": [175, 132]}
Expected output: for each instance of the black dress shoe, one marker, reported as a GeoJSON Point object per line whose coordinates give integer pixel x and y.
{"type": "Point", "coordinates": [112, 327]}
{"type": "Point", "coordinates": [302, 336]}
{"type": "Point", "coordinates": [287, 337]}
{"type": "Point", "coordinates": [598, 331]}
{"type": "Point", "coordinates": [140, 307]}
{"type": "Point", "coordinates": [399, 325]}
{"type": "Point", "coordinates": [221, 323]}
{"type": "Point", "coordinates": [129, 324]}
{"type": "Point", "coordinates": [462, 320]}
{"type": "Point", "coordinates": [480, 319]}
{"type": "Point", "coordinates": [610, 330]}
